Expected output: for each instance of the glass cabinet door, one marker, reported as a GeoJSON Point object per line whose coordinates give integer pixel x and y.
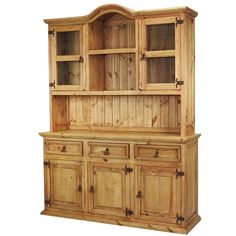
{"type": "Point", "coordinates": [67, 59]}
{"type": "Point", "coordinates": [159, 53]}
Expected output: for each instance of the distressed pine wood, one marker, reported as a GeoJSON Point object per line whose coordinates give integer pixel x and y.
{"type": "Point", "coordinates": [151, 112]}
{"type": "Point", "coordinates": [122, 147]}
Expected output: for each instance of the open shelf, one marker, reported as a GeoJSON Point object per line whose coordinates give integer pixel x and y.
{"type": "Point", "coordinates": [112, 31]}
{"type": "Point", "coordinates": [112, 72]}
{"type": "Point", "coordinates": [112, 51]}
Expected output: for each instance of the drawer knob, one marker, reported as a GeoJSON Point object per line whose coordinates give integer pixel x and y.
{"type": "Point", "coordinates": [106, 152]}
{"type": "Point", "coordinates": [156, 154]}
{"type": "Point", "coordinates": [63, 148]}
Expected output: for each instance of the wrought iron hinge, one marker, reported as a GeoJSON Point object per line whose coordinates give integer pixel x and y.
{"type": "Point", "coordinates": [51, 32]}
{"type": "Point", "coordinates": [81, 59]}
{"type": "Point", "coordinates": [179, 218]}
{"type": "Point", "coordinates": [91, 190]}
{"type": "Point", "coordinates": [179, 173]}
{"type": "Point", "coordinates": [178, 82]}
{"type": "Point", "coordinates": [46, 163]}
{"type": "Point", "coordinates": [143, 56]}
{"type": "Point", "coordinates": [178, 21]}
{"type": "Point", "coordinates": [80, 188]}
{"type": "Point", "coordinates": [128, 212]}
{"type": "Point", "coordinates": [52, 84]}
{"type": "Point", "coordinates": [139, 194]}
{"type": "Point", "coordinates": [48, 201]}
{"type": "Point", "coordinates": [128, 170]}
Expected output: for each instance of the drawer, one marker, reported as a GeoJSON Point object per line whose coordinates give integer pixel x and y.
{"type": "Point", "coordinates": [70, 148]}
{"type": "Point", "coordinates": [109, 150]}
{"type": "Point", "coordinates": [158, 153]}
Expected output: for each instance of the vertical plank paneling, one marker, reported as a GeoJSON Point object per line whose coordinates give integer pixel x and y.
{"type": "Point", "coordinates": [108, 72]}
{"type": "Point", "coordinates": [116, 111]}
{"type": "Point", "coordinates": [123, 72]}
{"type": "Point", "coordinates": [72, 110]}
{"type": "Point", "coordinates": [131, 72]}
{"type": "Point", "coordinates": [94, 110]}
{"type": "Point", "coordinates": [139, 112]}
{"type": "Point", "coordinates": [100, 110]}
{"type": "Point", "coordinates": [123, 31]}
{"type": "Point", "coordinates": [173, 122]}
{"type": "Point", "coordinates": [148, 111]}
{"type": "Point", "coordinates": [164, 111]}
{"type": "Point", "coordinates": [116, 72]}
{"type": "Point", "coordinates": [79, 110]}
{"type": "Point", "coordinates": [86, 114]}
{"type": "Point", "coordinates": [156, 112]}
{"type": "Point", "coordinates": [124, 111]}
{"type": "Point", "coordinates": [131, 111]}
{"type": "Point", "coordinates": [108, 103]}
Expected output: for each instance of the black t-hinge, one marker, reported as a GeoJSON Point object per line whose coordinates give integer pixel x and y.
{"type": "Point", "coordinates": [179, 173]}
{"type": "Point", "coordinates": [128, 170]}
{"type": "Point", "coordinates": [52, 84]}
{"type": "Point", "coordinates": [128, 212]}
{"type": "Point", "coordinates": [178, 22]}
{"type": "Point", "coordinates": [47, 201]}
{"type": "Point", "coordinates": [179, 218]}
{"type": "Point", "coordinates": [51, 32]}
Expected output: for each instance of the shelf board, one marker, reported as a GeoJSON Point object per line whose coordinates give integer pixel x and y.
{"type": "Point", "coordinates": [164, 53]}
{"type": "Point", "coordinates": [110, 93]}
{"type": "Point", "coordinates": [112, 51]}
{"type": "Point", "coordinates": [68, 58]}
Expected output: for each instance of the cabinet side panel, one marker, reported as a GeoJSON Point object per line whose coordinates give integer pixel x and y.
{"type": "Point", "coordinates": [59, 113]}
{"type": "Point", "coordinates": [190, 75]}
{"type": "Point", "coordinates": [190, 197]}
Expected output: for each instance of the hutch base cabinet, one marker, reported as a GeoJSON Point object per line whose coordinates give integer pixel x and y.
{"type": "Point", "coordinates": [122, 147]}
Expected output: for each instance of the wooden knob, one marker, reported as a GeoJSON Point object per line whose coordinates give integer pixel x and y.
{"type": "Point", "coordinates": [156, 154]}
{"type": "Point", "coordinates": [106, 152]}
{"type": "Point", "coordinates": [63, 148]}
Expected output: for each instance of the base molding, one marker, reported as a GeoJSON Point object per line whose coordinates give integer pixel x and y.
{"type": "Point", "coordinates": [132, 222]}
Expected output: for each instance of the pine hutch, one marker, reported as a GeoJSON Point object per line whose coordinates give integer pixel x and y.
{"type": "Point", "coordinates": [122, 147]}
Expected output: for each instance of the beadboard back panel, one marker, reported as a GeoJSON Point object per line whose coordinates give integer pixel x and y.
{"type": "Point", "coordinates": [156, 112]}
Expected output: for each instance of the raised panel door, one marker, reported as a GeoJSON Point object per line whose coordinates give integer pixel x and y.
{"type": "Point", "coordinates": [157, 194]}
{"type": "Point", "coordinates": [64, 185]}
{"type": "Point", "coordinates": [108, 189]}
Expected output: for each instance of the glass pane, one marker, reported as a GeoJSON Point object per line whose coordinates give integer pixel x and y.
{"type": "Point", "coordinates": [161, 37]}
{"type": "Point", "coordinates": [68, 73]}
{"type": "Point", "coordinates": [68, 43]}
{"type": "Point", "coordinates": [161, 70]}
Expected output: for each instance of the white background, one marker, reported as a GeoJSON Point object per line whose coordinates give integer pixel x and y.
{"type": "Point", "coordinates": [24, 111]}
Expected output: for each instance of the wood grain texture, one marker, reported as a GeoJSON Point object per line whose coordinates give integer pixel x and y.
{"type": "Point", "coordinates": [121, 111]}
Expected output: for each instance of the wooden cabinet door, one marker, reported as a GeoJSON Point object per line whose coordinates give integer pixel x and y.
{"type": "Point", "coordinates": [66, 57]}
{"type": "Point", "coordinates": [160, 53]}
{"type": "Point", "coordinates": [109, 189]}
{"type": "Point", "coordinates": [63, 185]}
{"type": "Point", "coordinates": [157, 194]}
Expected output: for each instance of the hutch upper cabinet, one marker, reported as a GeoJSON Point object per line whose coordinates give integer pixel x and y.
{"type": "Point", "coordinates": [122, 147]}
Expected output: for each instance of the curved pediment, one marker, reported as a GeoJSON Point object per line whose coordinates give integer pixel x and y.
{"type": "Point", "coordinates": [109, 10]}
{"type": "Point", "coordinates": [106, 11]}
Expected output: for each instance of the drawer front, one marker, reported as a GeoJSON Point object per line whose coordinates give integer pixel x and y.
{"type": "Point", "coordinates": [70, 148]}
{"type": "Point", "coordinates": [109, 150]}
{"type": "Point", "coordinates": [157, 153]}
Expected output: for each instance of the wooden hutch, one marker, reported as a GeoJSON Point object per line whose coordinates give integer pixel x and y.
{"type": "Point", "coordinates": [122, 147]}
